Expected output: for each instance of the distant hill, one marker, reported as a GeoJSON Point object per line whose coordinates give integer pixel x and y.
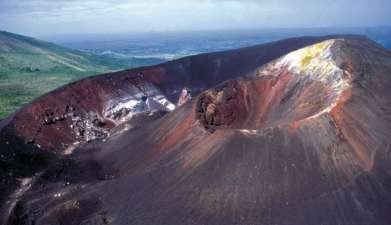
{"type": "Point", "coordinates": [31, 67]}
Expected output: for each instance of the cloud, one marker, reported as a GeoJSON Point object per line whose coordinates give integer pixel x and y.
{"type": "Point", "coordinates": [78, 16]}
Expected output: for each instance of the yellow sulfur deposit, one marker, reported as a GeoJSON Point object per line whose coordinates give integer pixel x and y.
{"type": "Point", "coordinates": [311, 52]}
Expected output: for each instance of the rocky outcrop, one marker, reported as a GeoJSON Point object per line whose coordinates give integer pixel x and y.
{"type": "Point", "coordinates": [222, 107]}
{"type": "Point", "coordinates": [184, 97]}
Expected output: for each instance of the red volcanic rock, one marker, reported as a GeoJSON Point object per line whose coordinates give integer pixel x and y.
{"type": "Point", "coordinates": [292, 132]}
{"type": "Point", "coordinates": [222, 107]}
{"type": "Point", "coordinates": [184, 97]}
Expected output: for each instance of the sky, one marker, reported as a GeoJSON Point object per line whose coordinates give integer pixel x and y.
{"type": "Point", "coordinates": [56, 17]}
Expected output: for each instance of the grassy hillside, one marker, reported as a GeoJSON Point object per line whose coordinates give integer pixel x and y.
{"type": "Point", "coordinates": [31, 67]}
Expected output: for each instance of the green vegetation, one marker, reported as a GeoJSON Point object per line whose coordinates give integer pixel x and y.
{"type": "Point", "coordinates": [30, 68]}
{"type": "Point", "coordinates": [17, 89]}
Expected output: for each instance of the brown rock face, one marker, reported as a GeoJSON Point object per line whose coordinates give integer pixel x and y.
{"type": "Point", "coordinates": [222, 107]}
{"type": "Point", "coordinates": [292, 132]}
